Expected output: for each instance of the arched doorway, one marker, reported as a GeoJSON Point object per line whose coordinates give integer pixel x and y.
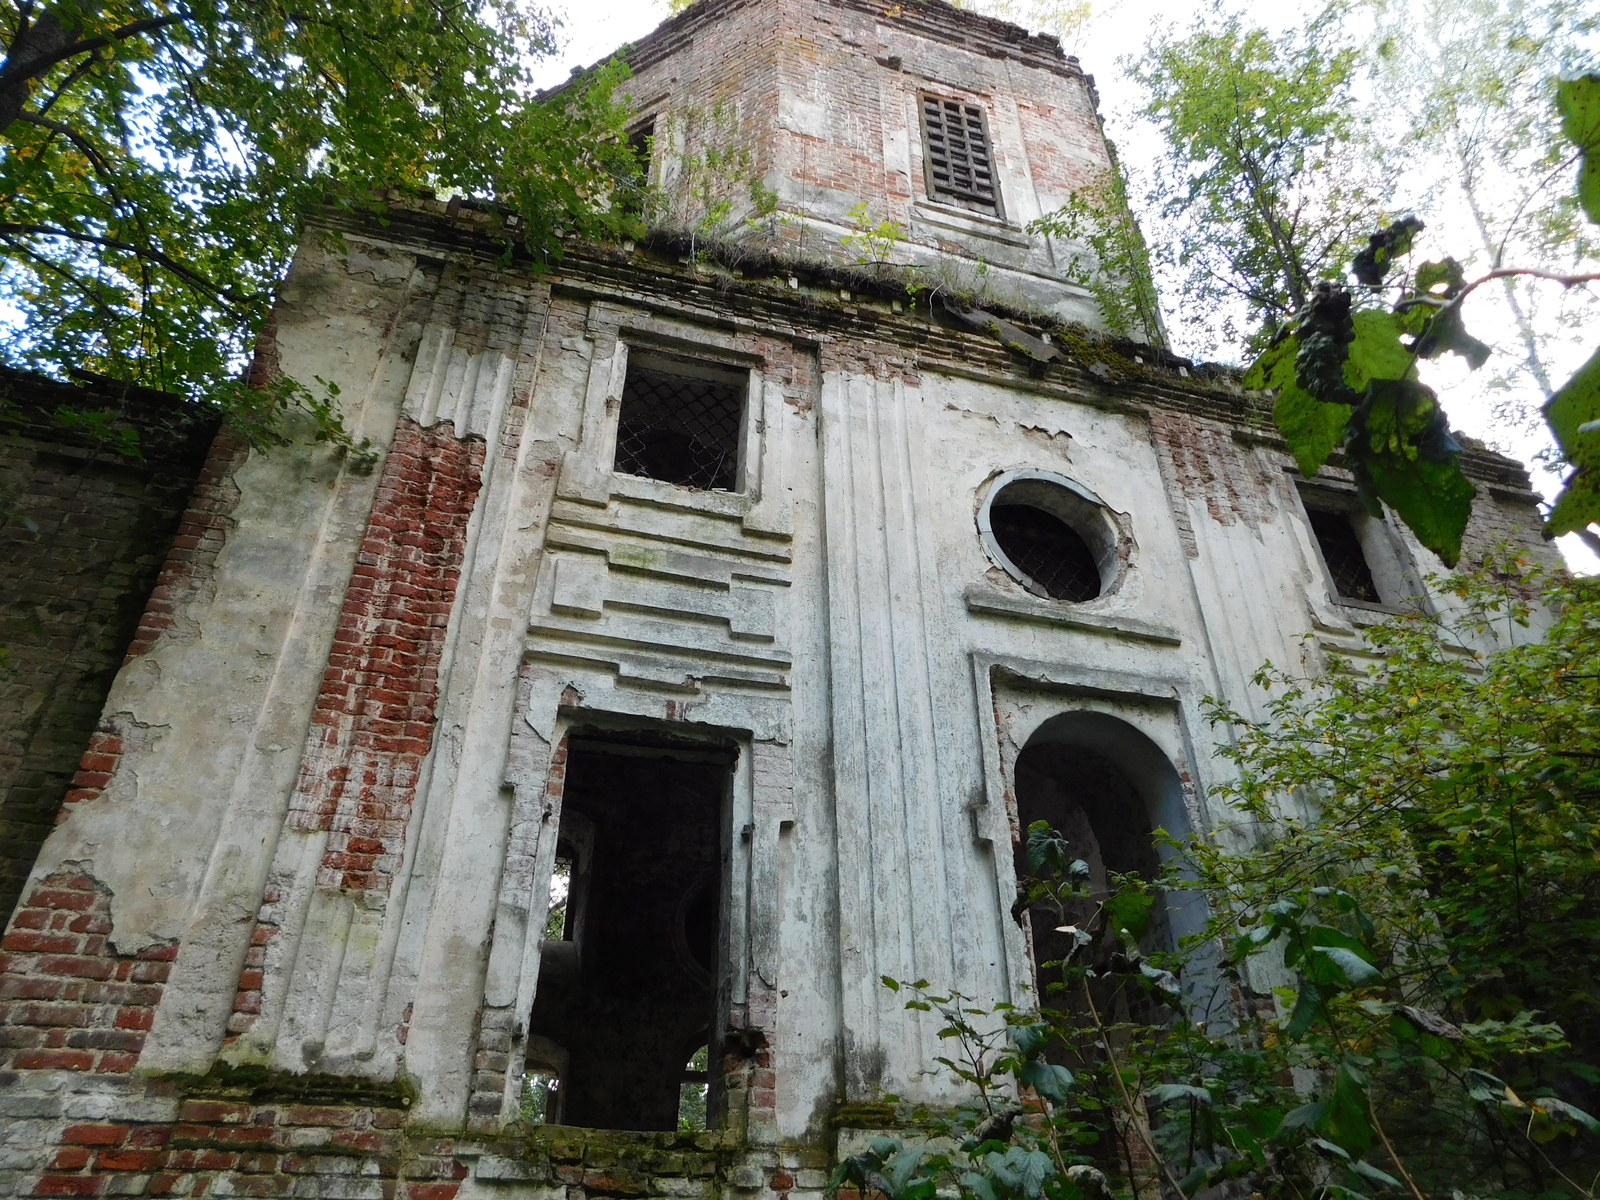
{"type": "Point", "coordinates": [1106, 786]}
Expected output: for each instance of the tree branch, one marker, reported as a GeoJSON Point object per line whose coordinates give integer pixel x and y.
{"type": "Point", "coordinates": [1565, 281]}
{"type": "Point", "coordinates": [187, 274]}
{"type": "Point", "coordinates": [16, 72]}
{"type": "Point", "coordinates": [88, 148]}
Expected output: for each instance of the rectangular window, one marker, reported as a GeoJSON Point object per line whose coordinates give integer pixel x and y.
{"type": "Point", "coordinates": [681, 421]}
{"type": "Point", "coordinates": [1365, 560]}
{"type": "Point", "coordinates": [956, 152]}
{"type": "Point", "coordinates": [1343, 555]}
{"type": "Point", "coordinates": [636, 186]}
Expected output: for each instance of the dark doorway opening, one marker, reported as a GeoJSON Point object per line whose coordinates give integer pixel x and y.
{"type": "Point", "coordinates": [629, 990]}
{"type": "Point", "coordinates": [1103, 817]}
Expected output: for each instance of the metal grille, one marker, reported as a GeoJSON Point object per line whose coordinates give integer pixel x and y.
{"type": "Point", "coordinates": [1047, 550]}
{"type": "Point", "coordinates": [679, 429]}
{"type": "Point", "coordinates": [956, 142]}
{"type": "Point", "coordinates": [1341, 551]}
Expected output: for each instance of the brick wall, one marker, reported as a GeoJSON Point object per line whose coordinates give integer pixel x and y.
{"type": "Point", "coordinates": [375, 713]}
{"type": "Point", "coordinates": [75, 1120]}
{"type": "Point", "coordinates": [83, 531]}
{"type": "Point", "coordinates": [376, 710]}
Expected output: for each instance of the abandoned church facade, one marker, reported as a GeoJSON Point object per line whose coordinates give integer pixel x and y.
{"type": "Point", "coordinates": [691, 657]}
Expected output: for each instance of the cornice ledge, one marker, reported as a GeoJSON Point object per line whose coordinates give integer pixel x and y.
{"type": "Point", "coordinates": [992, 602]}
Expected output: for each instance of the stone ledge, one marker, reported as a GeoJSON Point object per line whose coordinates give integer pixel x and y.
{"type": "Point", "coordinates": [995, 603]}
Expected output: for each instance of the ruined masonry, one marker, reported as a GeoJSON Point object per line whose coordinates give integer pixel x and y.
{"type": "Point", "coordinates": [690, 659]}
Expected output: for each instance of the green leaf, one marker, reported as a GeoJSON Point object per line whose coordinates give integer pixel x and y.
{"type": "Point", "coordinates": [978, 1185]}
{"type": "Point", "coordinates": [1484, 1087]}
{"type": "Point", "coordinates": [1353, 969]}
{"type": "Point", "coordinates": [1129, 909]}
{"type": "Point", "coordinates": [1447, 331]}
{"type": "Point", "coordinates": [1021, 1169]}
{"type": "Point", "coordinates": [1323, 935]}
{"type": "Point", "coordinates": [1447, 271]}
{"type": "Point", "coordinates": [1377, 352]}
{"type": "Point", "coordinates": [1345, 1120]}
{"type": "Point", "coordinates": [1029, 1039]}
{"type": "Point", "coordinates": [1312, 429]}
{"type": "Point", "coordinates": [1305, 1117]}
{"type": "Point", "coordinates": [1166, 1093]}
{"type": "Point", "coordinates": [1400, 450]}
{"type": "Point", "coordinates": [1047, 849]}
{"type": "Point", "coordinates": [1575, 405]}
{"type": "Point", "coordinates": [1579, 102]}
{"type": "Point", "coordinates": [1050, 1081]}
{"type": "Point", "coordinates": [1367, 1171]}
{"type": "Point", "coordinates": [1307, 1008]}
{"type": "Point", "coordinates": [1553, 1105]}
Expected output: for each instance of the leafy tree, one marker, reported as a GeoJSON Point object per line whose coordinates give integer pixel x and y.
{"type": "Point", "coordinates": [1115, 260]}
{"type": "Point", "coordinates": [1266, 186]}
{"type": "Point", "coordinates": [156, 160]}
{"type": "Point", "coordinates": [1475, 82]}
{"type": "Point", "coordinates": [1414, 865]}
{"type": "Point", "coordinates": [1346, 374]}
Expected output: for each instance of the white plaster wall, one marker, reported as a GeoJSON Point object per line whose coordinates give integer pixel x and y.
{"type": "Point", "coordinates": [839, 619]}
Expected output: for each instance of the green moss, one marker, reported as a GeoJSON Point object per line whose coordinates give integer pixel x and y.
{"type": "Point", "coordinates": [262, 1085]}
{"type": "Point", "coordinates": [866, 1115]}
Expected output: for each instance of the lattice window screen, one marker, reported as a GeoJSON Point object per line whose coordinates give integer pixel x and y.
{"type": "Point", "coordinates": [1341, 551]}
{"type": "Point", "coordinates": [955, 139]}
{"type": "Point", "coordinates": [679, 429]}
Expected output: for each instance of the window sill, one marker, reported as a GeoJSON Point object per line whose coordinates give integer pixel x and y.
{"type": "Point", "coordinates": [1376, 610]}
{"type": "Point", "coordinates": [964, 220]}
{"type": "Point", "coordinates": [672, 495]}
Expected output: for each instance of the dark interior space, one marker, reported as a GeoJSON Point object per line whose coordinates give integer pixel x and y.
{"type": "Point", "coordinates": [1106, 823]}
{"type": "Point", "coordinates": [680, 422]}
{"type": "Point", "coordinates": [1341, 551]}
{"type": "Point", "coordinates": [627, 995]}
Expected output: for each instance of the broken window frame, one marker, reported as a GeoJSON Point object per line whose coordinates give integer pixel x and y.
{"type": "Point", "coordinates": [969, 198]}
{"type": "Point", "coordinates": [641, 137]}
{"type": "Point", "coordinates": [1394, 574]}
{"type": "Point", "coordinates": [711, 367]}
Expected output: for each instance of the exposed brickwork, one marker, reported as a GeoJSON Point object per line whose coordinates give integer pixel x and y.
{"type": "Point", "coordinates": [67, 1001]}
{"type": "Point", "coordinates": [376, 709]}
{"type": "Point", "coordinates": [375, 712]}
{"type": "Point", "coordinates": [234, 1145]}
{"type": "Point", "coordinates": [190, 566]}
{"type": "Point", "coordinates": [825, 101]}
{"type": "Point", "coordinates": [82, 533]}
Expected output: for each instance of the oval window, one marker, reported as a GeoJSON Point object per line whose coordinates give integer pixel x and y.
{"type": "Point", "coordinates": [1051, 535]}
{"type": "Point", "coordinates": [1047, 550]}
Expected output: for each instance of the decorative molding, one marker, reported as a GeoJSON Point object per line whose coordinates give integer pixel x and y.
{"type": "Point", "coordinates": [991, 602]}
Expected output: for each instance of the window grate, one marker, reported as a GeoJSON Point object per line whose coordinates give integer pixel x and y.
{"type": "Point", "coordinates": [955, 140]}
{"type": "Point", "coordinates": [1341, 551]}
{"type": "Point", "coordinates": [1047, 550]}
{"type": "Point", "coordinates": [679, 429]}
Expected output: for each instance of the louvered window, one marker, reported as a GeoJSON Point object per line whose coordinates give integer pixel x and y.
{"type": "Point", "coordinates": [957, 153]}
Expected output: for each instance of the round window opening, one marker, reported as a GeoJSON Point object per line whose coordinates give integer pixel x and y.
{"type": "Point", "coordinates": [1050, 535]}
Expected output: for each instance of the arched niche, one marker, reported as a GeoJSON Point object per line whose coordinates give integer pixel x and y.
{"type": "Point", "coordinates": [1106, 785]}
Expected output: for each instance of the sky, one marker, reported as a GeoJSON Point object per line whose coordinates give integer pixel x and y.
{"type": "Point", "coordinates": [1117, 28]}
